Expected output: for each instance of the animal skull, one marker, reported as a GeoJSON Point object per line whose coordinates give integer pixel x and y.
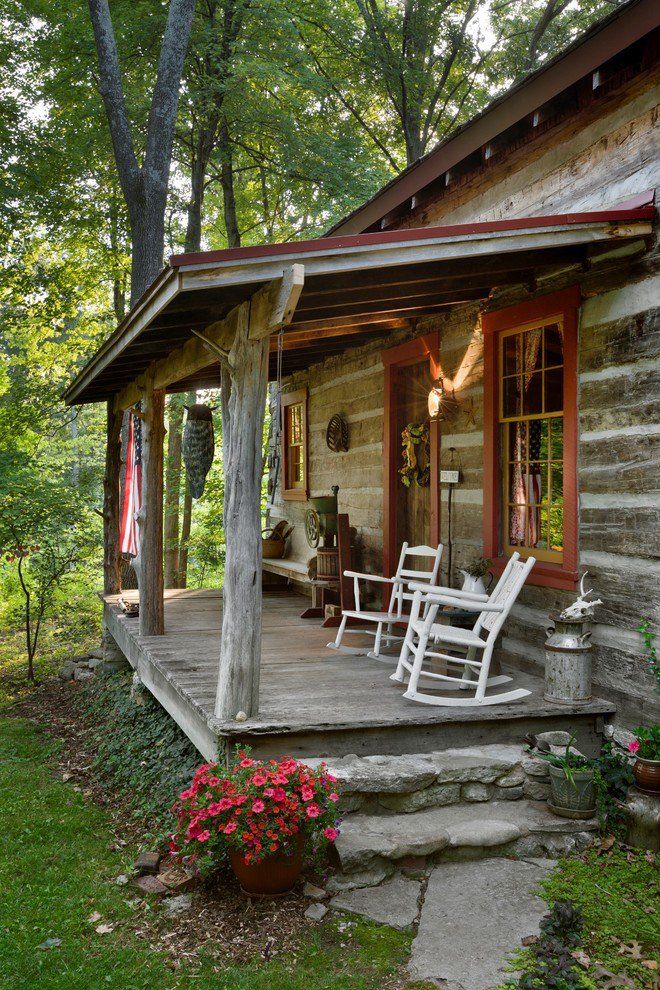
{"type": "Point", "coordinates": [581, 608]}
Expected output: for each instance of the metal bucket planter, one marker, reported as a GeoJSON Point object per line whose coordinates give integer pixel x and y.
{"type": "Point", "coordinates": [574, 798]}
{"type": "Point", "coordinates": [567, 661]}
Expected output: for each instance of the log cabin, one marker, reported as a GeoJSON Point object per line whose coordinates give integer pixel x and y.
{"type": "Point", "coordinates": [532, 224]}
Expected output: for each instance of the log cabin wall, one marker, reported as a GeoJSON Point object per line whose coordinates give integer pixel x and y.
{"type": "Point", "coordinates": [590, 162]}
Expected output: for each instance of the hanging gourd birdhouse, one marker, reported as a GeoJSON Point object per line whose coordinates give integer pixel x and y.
{"type": "Point", "coordinates": [198, 444]}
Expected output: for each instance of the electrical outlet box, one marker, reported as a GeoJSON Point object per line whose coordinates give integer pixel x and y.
{"type": "Point", "coordinates": [450, 477]}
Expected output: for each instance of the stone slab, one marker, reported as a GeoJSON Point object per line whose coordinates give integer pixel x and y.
{"type": "Point", "coordinates": [394, 903]}
{"type": "Point", "coordinates": [474, 916]}
{"type": "Point", "coordinates": [368, 838]}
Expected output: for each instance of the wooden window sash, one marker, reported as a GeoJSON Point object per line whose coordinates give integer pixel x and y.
{"type": "Point", "coordinates": [294, 490]}
{"type": "Point", "coordinates": [561, 308]}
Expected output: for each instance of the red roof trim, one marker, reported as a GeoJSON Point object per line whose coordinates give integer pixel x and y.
{"type": "Point", "coordinates": [320, 244]}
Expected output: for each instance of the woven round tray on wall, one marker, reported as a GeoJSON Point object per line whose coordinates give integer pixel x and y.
{"type": "Point", "coordinates": [336, 435]}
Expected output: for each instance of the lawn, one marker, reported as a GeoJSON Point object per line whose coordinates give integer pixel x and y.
{"type": "Point", "coordinates": [57, 871]}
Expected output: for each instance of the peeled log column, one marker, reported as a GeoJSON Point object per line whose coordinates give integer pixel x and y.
{"type": "Point", "coordinates": [243, 419]}
{"type": "Point", "coordinates": [151, 514]}
{"type": "Point", "coordinates": [111, 508]}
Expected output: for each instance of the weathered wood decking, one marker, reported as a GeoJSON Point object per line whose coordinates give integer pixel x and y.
{"type": "Point", "coordinates": [313, 700]}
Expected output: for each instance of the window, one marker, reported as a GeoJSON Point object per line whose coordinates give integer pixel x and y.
{"type": "Point", "coordinates": [530, 436]}
{"type": "Point", "coordinates": [294, 445]}
{"type": "Point", "coordinates": [531, 386]}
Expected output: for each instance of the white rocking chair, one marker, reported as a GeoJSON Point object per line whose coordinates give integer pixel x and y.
{"type": "Point", "coordinates": [394, 611]}
{"type": "Point", "coordinates": [491, 613]}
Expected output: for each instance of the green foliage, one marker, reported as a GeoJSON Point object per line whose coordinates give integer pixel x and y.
{"type": "Point", "coordinates": [140, 750]}
{"type": "Point", "coordinates": [613, 776]}
{"type": "Point", "coordinates": [649, 637]}
{"type": "Point", "coordinates": [58, 867]}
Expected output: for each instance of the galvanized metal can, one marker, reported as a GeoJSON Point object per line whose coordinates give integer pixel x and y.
{"type": "Point", "coordinates": [567, 661]}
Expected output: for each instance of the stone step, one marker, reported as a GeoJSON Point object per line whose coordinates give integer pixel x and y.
{"type": "Point", "coordinates": [407, 784]}
{"type": "Point", "coordinates": [374, 845]}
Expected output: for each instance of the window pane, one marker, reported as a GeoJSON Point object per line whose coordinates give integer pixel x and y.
{"type": "Point", "coordinates": [554, 390]}
{"type": "Point", "coordinates": [532, 351]}
{"type": "Point", "coordinates": [511, 399]}
{"type": "Point", "coordinates": [517, 525]}
{"type": "Point", "coordinates": [556, 439]}
{"type": "Point", "coordinates": [554, 348]}
{"type": "Point", "coordinates": [533, 398]}
{"type": "Point", "coordinates": [557, 526]}
{"type": "Point", "coordinates": [536, 483]}
{"type": "Point", "coordinates": [511, 348]}
{"type": "Point", "coordinates": [538, 432]}
{"type": "Point", "coordinates": [557, 482]}
{"type": "Point", "coordinates": [538, 528]}
{"type": "Point", "coordinates": [517, 441]}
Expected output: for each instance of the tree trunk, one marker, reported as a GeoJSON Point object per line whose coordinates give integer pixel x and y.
{"type": "Point", "coordinates": [147, 216]}
{"type": "Point", "coordinates": [240, 648]}
{"type": "Point", "coordinates": [111, 505]}
{"type": "Point", "coordinates": [151, 513]}
{"type": "Point", "coordinates": [173, 491]}
{"type": "Point", "coordinates": [227, 183]}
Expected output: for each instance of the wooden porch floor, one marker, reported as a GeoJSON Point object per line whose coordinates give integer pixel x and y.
{"type": "Point", "coordinates": [313, 701]}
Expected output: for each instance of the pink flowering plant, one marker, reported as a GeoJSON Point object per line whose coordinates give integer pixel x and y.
{"type": "Point", "coordinates": [646, 744]}
{"type": "Point", "coordinates": [255, 808]}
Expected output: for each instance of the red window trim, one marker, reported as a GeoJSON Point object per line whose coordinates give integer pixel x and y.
{"type": "Point", "coordinates": [410, 352]}
{"type": "Point", "coordinates": [294, 494]}
{"type": "Point", "coordinates": [565, 303]}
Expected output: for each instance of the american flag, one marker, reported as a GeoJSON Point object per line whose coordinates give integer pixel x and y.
{"type": "Point", "coordinates": [128, 533]}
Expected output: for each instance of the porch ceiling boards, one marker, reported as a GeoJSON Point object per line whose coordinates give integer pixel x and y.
{"type": "Point", "coordinates": [313, 701]}
{"type": "Point", "coordinates": [357, 287]}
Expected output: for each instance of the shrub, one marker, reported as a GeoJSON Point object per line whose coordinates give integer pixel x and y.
{"type": "Point", "coordinates": [257, 809]}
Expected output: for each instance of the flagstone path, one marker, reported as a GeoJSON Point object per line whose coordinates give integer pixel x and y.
{"type": "Point", "coordinates": [470, 917]}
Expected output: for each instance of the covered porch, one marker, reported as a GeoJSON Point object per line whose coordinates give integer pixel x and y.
{"type": "Point", "coordinates": [313, 701]}
{"type": "Point", "coordinates": [228, 666]}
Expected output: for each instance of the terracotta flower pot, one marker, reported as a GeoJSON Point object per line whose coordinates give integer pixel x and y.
{"type": "Point", "coordinates": [273, 876]}
{"type": "Point", "coordinates": [647, 775]}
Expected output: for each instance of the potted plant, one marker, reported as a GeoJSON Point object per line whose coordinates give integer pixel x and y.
{"type": "Point", "coordinates": [261, 817]}
{"type": "Point", "coordinates": [646, 748]}
{"type": "Point", "coordinates": [474, 574]}
{"type": "Point", "coordinates": [571, 782]}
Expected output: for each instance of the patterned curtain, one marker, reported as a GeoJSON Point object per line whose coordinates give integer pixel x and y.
{"type": "Point", "coordinates": [526, 484]}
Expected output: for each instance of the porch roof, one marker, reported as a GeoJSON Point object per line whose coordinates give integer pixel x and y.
{"type": "Point", "coordinates": [356, 287]}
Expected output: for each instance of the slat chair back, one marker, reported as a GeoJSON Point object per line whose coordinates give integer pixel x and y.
{"type": "Point", "coordinates": [504, 594]}
{"type": "Point", "coordinates": [403, 574]}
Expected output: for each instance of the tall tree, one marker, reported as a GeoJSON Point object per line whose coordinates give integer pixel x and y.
{"type": "Point", "coordinates": [144, 186]}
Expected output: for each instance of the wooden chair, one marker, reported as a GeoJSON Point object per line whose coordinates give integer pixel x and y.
{"type": "Point", "coordinates": [394, 613]}
{"type": "Point", "coordinates": [490, 617]}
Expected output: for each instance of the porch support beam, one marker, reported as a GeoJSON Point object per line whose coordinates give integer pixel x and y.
{"type": "Point", "coordinates": [243, 410]}
{"type": "Point", "coordinates": [111, 506]}
{"type": "Point", "coordinates": [274, 304]}
{"type": "Point", "coordinates": [150, 517]}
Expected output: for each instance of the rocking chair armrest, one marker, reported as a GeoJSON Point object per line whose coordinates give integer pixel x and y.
{"type": "Point", "coordinates": [467, 606]}
{"type": "Point", "coordinates": [433, 589]}
{"type": "Point", "coordinates": [372, 577]}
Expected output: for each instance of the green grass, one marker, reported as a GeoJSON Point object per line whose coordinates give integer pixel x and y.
{"type": "Point", "coordinates": [56, 869]}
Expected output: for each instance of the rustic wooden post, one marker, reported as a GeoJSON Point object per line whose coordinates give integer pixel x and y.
{"type": "Point", "coordinates": [243, 419]}
{"type": "Point", "coordinates": [111, 507]}
{"type": "Point", "coordinates": [150, 518]}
